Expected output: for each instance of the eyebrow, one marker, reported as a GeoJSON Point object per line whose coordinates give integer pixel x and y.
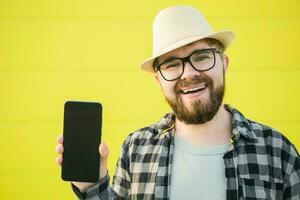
{"type": "Point", "coordinates": [168, 58]}
{"type": "Point", "coordinates": [172, 57]}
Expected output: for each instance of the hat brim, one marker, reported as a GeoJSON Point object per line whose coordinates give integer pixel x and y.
{"type": "Point", "coordinates": [225, 37]}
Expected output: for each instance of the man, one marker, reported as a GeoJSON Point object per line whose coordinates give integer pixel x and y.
{"type": "Point", "coordinates": [205, 149]}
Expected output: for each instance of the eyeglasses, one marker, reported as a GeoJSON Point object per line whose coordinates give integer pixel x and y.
{"type": "Point", "coordinates": [200, 60]}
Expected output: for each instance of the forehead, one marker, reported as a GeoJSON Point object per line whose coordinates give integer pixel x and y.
{"type": "Point", "coordinates": [185, 50]}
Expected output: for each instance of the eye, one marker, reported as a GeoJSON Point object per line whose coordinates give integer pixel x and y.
{"type": "Point", "coordinates": [201, 56]}
{"type": "Point", "coordinates": [170, 64]}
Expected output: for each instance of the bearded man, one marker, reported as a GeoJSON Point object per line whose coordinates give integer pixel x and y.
{"type": "Point", "coordinates": [204, 149]}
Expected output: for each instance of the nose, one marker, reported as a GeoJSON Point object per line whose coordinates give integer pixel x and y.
{"type": "Point", "coordinates": [188, 71]}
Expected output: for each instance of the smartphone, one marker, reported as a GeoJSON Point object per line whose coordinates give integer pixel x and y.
{"type": "Point", "coordinates": [82, 137]}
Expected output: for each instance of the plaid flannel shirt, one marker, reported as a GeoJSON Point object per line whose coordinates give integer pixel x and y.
{"type": "Point", "coordinates": [261, 163]}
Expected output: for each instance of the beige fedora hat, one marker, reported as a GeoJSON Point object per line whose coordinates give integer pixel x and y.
{"type": "Point", "coordinates": [178, 26]}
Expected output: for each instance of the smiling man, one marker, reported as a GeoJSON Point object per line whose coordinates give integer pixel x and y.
{"type": "Point", "coordinates": [204, 149]}
{"type": "Point", "coordinates": [195, 97]}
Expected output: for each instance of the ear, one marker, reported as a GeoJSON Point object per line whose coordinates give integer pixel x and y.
{"type": "Point", "coordinates": [225, 62]}
{"type": "Point", "coordinates": [156, 77]}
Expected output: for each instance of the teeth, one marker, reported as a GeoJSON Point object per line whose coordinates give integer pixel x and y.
{"type": "Point", "coordinates": [194, 89]}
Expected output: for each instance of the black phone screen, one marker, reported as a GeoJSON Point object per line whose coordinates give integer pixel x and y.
{"type": "Point", "coordinates": [82, 137]}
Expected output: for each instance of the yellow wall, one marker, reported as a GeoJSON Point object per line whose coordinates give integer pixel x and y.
{"type": "Point", "coordinates": [55, 50]}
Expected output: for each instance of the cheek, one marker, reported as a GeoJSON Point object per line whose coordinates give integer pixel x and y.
{"type": "Point", "coordinates": [217, 79]}
{"type": "Point", "coordinates": [167, 88]}
{"type": "Point", "coordinates": [216, 76]}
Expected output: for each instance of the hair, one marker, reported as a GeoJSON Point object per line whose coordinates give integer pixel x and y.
{"type": "Point", "coordinates": [210, 41]}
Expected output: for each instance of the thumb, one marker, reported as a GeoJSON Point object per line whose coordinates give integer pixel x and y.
{"type": "Point", "coordinates": [103, 150]}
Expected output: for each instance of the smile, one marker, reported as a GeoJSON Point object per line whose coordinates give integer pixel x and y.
{"type": "Point", "coordinates": [194, 89]}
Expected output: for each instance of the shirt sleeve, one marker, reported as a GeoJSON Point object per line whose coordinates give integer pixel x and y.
{"type": "Point", "coordinates": [98, 191]}
{"type": "Point", "coordinates": [292, 180]}
{"type": "Point", "coordinates": [122, 179]}
{"type": "Point", "coordinates": [121, 183]}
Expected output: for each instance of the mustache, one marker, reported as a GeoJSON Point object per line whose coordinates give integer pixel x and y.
{"type": "Point", "coordinates": [197, 79]}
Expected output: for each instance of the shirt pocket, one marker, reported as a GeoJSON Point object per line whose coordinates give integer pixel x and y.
{"type": "Point", "coordinates": [260, 189]}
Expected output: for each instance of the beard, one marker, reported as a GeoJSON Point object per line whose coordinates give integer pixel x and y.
{"type": "Point", "coordinates": [200, 111]}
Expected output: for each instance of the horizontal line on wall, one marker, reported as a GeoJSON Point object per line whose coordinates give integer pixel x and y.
{"type": "Point", "coordinates": [137, 69]}
{"type": "Point", "coordinates": [73, 69]}
{"type": "Point", "coordinates": [120, 120]}
{"type": "Point", "coordinates": [251, 69]}
{"type": "Point", "coordinates": [124, 18]}
{"type": "Point", "coordinates": [60, 121]}
{"type": "Point", "coordinates": [26, 172]}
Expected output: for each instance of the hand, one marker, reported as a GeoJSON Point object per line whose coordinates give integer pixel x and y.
{"type": "Point", "coordinates": [103, 150]}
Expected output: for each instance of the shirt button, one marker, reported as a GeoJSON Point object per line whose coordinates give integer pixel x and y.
{"type": "Point", "coordinates": [229, 163]}
{"type": "Point", "coordinates": [165, 150]}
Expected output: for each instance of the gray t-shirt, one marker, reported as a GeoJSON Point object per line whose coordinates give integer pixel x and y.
{"type": "Point", "coordinates": [198, 172]}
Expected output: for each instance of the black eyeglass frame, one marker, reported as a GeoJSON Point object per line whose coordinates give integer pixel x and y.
{"type": "Point", "coordinates": [187, 59]}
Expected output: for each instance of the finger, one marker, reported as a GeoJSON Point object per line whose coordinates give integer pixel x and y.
{"type": "Point", "coordinates": [103, 150]}
{"type": "Point", "coordinates": [59, 148]}
{"type": "Point", "coordinates": [59, 160]}
{"type": "Point", "coordinates": [60, 139]}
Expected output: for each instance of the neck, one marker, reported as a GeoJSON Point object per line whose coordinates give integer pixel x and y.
{"type": "Point", "coordinates": [214, 132]}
